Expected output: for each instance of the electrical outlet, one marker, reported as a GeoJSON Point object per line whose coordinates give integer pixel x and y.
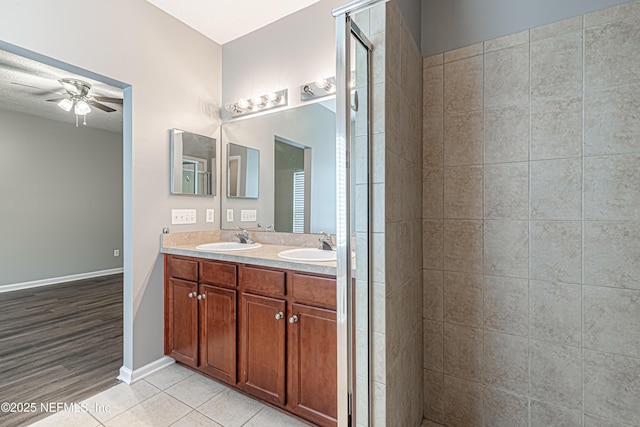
{"type": "Point", "coordinates": [183, 216]}
{"type": "Point", "coordinates": [116, 252]}
{"type": "Point", "coordinates": [210, 215]}
{"type": "Point", "coordinates": [247, 215]}
{"type": "Point", "coordinates": [229, 215]}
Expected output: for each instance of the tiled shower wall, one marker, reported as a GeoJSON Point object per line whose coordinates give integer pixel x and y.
{"type": "Point", "coordinates": [531, 226]}
{"type": "Point", "coordinates": [403, 223]}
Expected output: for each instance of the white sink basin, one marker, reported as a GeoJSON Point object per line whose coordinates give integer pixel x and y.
{"type": "Point", "coordinates": [308, 254]}
{"type": "Point", "coordinates": [227, 246]}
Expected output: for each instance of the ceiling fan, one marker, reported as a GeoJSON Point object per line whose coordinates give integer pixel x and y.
{"type": "Point", "coordinates": [76, 96]}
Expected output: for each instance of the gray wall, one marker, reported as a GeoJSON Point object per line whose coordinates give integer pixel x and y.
{"type": "Point", "coordinates": [61, 192]}
{"type": "Point", "coordinates": [450, 24]}
{"type": "Point", "coordinates": [175, 78]}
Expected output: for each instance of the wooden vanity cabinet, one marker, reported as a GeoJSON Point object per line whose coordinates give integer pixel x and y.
{"type": "Point", "coordinates": [200, 315]}
{"type": "Point", "coordinates": [285, 335]}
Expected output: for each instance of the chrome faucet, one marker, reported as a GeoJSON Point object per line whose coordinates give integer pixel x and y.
{"type": "Point", "coordinates": [325, 242]}
{"type": "Point", "coordinates": [271, 229]}
{"type": "Point", "coordinates": [243, 235]}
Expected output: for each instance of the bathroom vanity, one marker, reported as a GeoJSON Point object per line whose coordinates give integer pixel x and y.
{"type": "Point", "coordinates": [264, 329]}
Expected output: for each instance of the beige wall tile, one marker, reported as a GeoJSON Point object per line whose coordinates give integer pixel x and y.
{"type": "Point", "coordinates": [433, 60]}
{"type": "Point", "coordinates": [506, 41]}
{"type": "Point", "coordinates": [556, 251]}
{"type": "Point", "coordinates": [545, 415]}
{"type": "Point", "coordinates": [502, 409]}
{"type": "Point", "coordinates": [556, 65]}
{"type": "Point", "coordinates": [463, 192]}
{"type": "Point", "coordinates": [432, 302]}
{"type": "Point", "coordinates": [556, 28]}
{"type": "Point", "coordinates": [464, 138]}
{"type": "Point", "coordinates": [612, 254]}
{"type": "Point", "coordinates": [463, 403]}
{"type": "Point", "coordinates": [463, 298]}
{"type": "Point", "coordinates": [506, 248]}
{"type": "Point", "coordinates": [612, 188]}
{"type": "Point", "coordinates": [432, 142]}
{"type": "Point", "coordinates": [556, 128]}
{"type": "Point", "coordinates": [627, 11]}
{"type": "Point", "coordinates": [556, 374]}
{"type": "Point", "coordinates": [379, 404]}
{"type": "Point", "coordinates": [592, 421]}
{"type": "Point", "coordinates": [463, 85]}
{"type": "Point", "coordinates": [432, 342]}
{"type": "Point", "coordinates": [463, 352]}
{"type": "Point", "coordinates": [405, 387]}
{"type": "Point", "coordinates": [506, 305]}
{"type": "Point", "coordinates": [378, 154]}
{"type": "Point", "coordinates": [434, 396]}
{"type": "Point", "coordinates": [463, 52]}
{"type": "Point", "coordinates": [433, 92]}
{"type": "Point", "coordinates": [610, 56]}
{"type": "Point", "coordinates": [463, 246]}
{"type": "Point", "coordinates": [403, 326]}
{"type": "Point", "coordinates": [611, 386]}
{"type": "Point", "coordinates": [506, 77]}
{"type": "Point", "coordinates": [378, 65]}
{"type": "Point", "coordinates": [612, 320]}
{"type": "Point", "coordinates": [379, 371]}
{"type": "Point", "coordinates": [556, 312]}
{"type": "Point", "coordinates": [506, 191]}
{"type": "Point", "coordinates": [507, 134]}
{"type": "Point", "coordinates": [506, 362]}
{"type": "Point", "coordinates": [404, 255]}
{"type": "Point", "coordinates": [377, 108]}
{"type": "Point", "coordinates": [378, 250]}
{"type": "Point", "coordinates": [611, 121]}
{"type": "Point", "coordinates": [432, 193]}
{"type": "Point", "coordinates": [556, 189]}
{"type": "Point", "coordinates": [377, 19]}
{"type": "Point", "coordinates": [432, 244]}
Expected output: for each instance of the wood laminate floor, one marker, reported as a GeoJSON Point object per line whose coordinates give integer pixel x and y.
{"type": "Point", "coordinates": [59, 343]}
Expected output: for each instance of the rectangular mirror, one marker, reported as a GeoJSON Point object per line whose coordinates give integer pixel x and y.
{"type": "Point", "coordinates": [193, 163]}
{"type": "Point", "coordinates": [297, 171]}
{"type": "Point", "coordinates": [243, 171]}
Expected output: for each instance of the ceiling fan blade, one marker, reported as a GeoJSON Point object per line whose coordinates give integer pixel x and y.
{"type": "Point", "coordinates": [43, 91]}
{"type": "Point", "coordinates": [56, 99]}
{"type": "Point", "coordinates": [101, 106]}
{"type": "Point", "coordinates": [108, 99]}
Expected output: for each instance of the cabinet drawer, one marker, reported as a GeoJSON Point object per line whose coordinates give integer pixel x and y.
{"type": "Point", "coordinates": [218, 273]}
{"type": "Point", "coordinates": [313, 290]}
{"type": "Point", "coordinates": [181, 268]}
{"type": "Point", "coordinates": [263, 281]}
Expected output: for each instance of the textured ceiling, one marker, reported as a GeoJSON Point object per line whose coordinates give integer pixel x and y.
{"type": "Point", "coordinates": [43, 80]}
{"type": "Point", "coordinates": [226, 20]}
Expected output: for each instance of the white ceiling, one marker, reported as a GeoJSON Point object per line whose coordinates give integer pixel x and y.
{"type": "Point", "coordinates": [226, 20]}
{"type": "Point", "coordinates": [41, 84]}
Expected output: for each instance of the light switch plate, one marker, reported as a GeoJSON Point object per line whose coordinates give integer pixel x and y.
{"type": "Point", "coordinates": [183, 216]}
{"type": "Point", "coordinates": [210, 215]}
{"type": "Point", "coordinates": [247, 215]}
{"type": "Point", "coordinates": [229, 215]}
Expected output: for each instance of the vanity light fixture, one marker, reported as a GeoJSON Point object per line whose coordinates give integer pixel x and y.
{"type": "Point", "coordinates": [319, 89]}
{"type": "Point", "coordinates": [258, 103]}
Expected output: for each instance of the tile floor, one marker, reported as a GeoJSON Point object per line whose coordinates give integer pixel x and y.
{"type": "Point", "coordinates": [174, 396]}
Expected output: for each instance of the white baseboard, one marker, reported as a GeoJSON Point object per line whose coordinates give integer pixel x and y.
{"type": "Point", "coordinates": [61, 279]}
{"type": "Point", "coordinates": [128, 376]}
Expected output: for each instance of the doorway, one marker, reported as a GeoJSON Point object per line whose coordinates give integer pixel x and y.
{"type": "Point", "coordinates": [292, 195]}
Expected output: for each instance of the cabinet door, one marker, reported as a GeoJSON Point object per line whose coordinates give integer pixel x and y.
{"type": "Point", "coordinates": [263, 323]}
{"type": "Point", "coordinates": [181, 321]}
{"type": "Point", "coordinates": [218, 332]}
{"type": "Point", "coordinates": [313, 358]}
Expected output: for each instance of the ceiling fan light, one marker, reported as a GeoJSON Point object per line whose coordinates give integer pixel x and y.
{"type": "Point", "coordinates": [66, 104]}
{"type": "Point", "coordinates": [82, 108]}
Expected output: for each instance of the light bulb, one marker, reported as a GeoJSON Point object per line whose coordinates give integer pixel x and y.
{"type": "Point", "coordinates": [257, 100]}
{"type": "Point", "coordinates": [243, 103]}
{"type": "Point", "coordinates": [229, 107]}
{"type": "Point", "coordinates": [82, 108]}
{"type": "Point", "coordinates": [273, 97]}
{"type": "Point", "coordinates": [66, 104]}
{"type": "Point", "coordinates": [322, 82]}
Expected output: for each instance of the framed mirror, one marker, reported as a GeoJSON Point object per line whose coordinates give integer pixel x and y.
{"type": "Point", "coordinates": [193, 163]}
{"type": "Point", "coordinates": [297, 169]}
{"type": "Point", "coordinates": [243, 171]}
